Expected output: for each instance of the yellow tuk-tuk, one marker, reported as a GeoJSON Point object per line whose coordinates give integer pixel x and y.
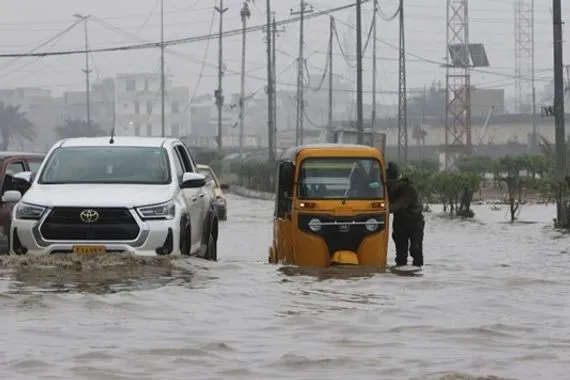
{"type": "Point", "coordinates": [331, 207]}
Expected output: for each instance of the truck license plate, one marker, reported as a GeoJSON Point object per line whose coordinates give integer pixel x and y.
{"type": "Point", "coordinates": [89, 249]}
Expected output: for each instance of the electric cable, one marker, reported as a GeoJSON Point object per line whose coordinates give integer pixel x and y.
{"type": "Point", "coordinates": [52, 39]}
{"type": "Point", "coordinates": [180, 41]}
{"type": "Point", "coordinates": [156, 3]}
{"type": "Point", "coordinates": [383, 15]}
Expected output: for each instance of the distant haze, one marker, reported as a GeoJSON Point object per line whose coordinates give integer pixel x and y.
{"type": "Point", "coordinates": [27, 23]}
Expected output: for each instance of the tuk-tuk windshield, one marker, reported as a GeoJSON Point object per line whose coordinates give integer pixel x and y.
{"type": "Point", "coordinates": [341, 178]}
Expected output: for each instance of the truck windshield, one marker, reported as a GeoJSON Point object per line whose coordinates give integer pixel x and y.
{"type": "Point", "coordinates": [107, 165]}
{"type": "Point", "coordinates": [341, 178]}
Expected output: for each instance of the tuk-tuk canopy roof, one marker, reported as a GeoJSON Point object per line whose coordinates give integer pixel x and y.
{"type": "Point", "coordinates": [330, 150]}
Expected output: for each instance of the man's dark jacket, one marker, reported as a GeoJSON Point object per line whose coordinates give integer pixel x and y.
{"type": "Point", "coordinates": [405, 203]}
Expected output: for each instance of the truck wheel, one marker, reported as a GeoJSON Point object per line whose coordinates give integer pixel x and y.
{"type": "Point", "coordinates": [212, 250]}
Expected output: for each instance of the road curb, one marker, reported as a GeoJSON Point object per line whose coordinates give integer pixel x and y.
{"type": "Point", "coordinates": [243, 192]}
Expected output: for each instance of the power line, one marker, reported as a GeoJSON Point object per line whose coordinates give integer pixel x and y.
{"type": "Point", "coordinates": [179, 41]}
{"type": "Point", "coordinates": [234, 32]}
{"type": "Point", "coordinates": [48, 41]}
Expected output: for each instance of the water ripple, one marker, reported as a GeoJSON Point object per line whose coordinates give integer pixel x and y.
{"type": "Point", "coordinates": [492, 301]}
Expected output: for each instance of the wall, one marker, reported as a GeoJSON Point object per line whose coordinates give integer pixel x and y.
{"type": "Point", "coordinates": [138, 105]}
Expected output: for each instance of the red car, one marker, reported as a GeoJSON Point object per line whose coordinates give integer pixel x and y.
{"type": "Point", "coordinates": [12, 163]}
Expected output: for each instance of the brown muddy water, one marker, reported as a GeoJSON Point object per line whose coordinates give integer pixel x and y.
{"type": "Point", "coordinates": [492, 303]}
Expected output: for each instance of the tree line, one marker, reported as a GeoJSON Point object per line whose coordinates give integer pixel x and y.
{"type": "Point", "coordinates": [15, 126]}
{"type": "Point", "coordinates": [455, 190]}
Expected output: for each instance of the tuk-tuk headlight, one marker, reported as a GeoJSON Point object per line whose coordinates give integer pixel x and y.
{"type": "Point", "coordinates": [371, 225]}
{"type": "Point", "coordinates": [315, 225]}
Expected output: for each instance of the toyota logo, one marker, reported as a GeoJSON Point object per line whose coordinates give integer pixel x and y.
{"type": "Point", "coordinates": [89, 216]}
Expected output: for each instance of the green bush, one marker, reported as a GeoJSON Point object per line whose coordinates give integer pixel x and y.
{"type": "Point", "coordinates": [255, 175]}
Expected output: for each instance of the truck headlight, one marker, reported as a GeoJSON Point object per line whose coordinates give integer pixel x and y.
{"type": "Point", "coordinates": [371, 225]}
{"type": "Point", "coordinates": [315, 225]}
{"type": "Point", "coordinates": [26, 211]}
{"type": "Point", "coordinates": [158, 211]}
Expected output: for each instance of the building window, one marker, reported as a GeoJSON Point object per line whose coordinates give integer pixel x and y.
{"type": "Point", "coordinates": [175, 107]}
{"type": "Point", "coordinates": [175, 132]}
{"type": "Point", "coordinates": [137, 107]}
{"type": "Point", "coordinates": [146, 85]}
{"type": "Point", "coordinates": [130, 85]}
{"type": "Point", "coordinates": [149, 129]}
{"type": "Point", "coordinates": [137, 129]}
{"type": "Point", "coordinates": [148, 108]}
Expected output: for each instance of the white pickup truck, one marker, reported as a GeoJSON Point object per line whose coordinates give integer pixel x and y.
{"type": "Point", "coordinates": [99, 195]}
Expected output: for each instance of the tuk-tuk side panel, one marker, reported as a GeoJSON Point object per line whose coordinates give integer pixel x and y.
{"type": "Point", "coordinates": [282, 235]}
{"type": "Point", "coordinates": [283, 241]}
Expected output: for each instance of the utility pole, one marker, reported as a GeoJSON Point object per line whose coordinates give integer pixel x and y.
{"type": "Point", "coordinates": [300, 72]}
{"type": "Point", "coordinates": [533, 80]}
{"type": "Point", "coordinates": [330, 124]}
{"type": "Point", "coordinates": [374, 70]}
{"type": "Point", "coordinates": [245, 14]}
{"type": "Point", "coordinates": [274, 35]}
{"type": "Point", "coordinates": [461, 57]}
{"type": "Point", "coordinates": [560, 133]}
{"type": "Point", "coordinates": [86, 71]}
{"type": "Point", "coordinates": [402, 94]}
{"type": "Point", "coordinates": [524, 62]}
{"type": "Point", "coordinates": [162, 81]}
{"type": "Point", "coordinates": [359, 110]}
{"type": "Point", "coordinates": [270, 92]}
{"type": "Point", "coordinates": [218, 94]}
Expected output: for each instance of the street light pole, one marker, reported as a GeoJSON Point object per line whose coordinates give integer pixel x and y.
{"type": "Point", "coordinates": [162, 81]}
{"type": "Point", "coordinates": [359, 106]}
{"type": "Point", "coordinates": [87, 71]}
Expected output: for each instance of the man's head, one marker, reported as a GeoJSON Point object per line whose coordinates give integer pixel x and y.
{"type": "Point", "coordinates": [392, 171]}
{"type": "Point", "coordinates": [393, 175]}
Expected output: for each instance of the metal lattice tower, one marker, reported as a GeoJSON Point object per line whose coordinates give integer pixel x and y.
{"type": "Point", "coordinates": [524, 54]}
{"type": "Point", "coordinates": [402, 101]}
{"type": "Point", "coordinates": [461, 57]}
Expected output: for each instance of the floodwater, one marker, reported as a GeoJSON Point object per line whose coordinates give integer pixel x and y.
{"type": "Point", "coordinates": [493, 303]}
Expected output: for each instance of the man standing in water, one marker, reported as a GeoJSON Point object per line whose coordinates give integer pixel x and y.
{"type": "Point", "coordinates": [408, 220]}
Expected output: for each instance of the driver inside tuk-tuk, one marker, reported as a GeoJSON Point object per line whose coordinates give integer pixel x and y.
{"type": "Point", "coordinates": [364, 184]}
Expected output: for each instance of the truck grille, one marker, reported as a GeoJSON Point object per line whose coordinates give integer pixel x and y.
{"type": "Point", "coordinates": [113, 224]}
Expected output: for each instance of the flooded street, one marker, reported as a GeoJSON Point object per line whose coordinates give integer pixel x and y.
{"type": "Point", "coordinates": [493, 300]}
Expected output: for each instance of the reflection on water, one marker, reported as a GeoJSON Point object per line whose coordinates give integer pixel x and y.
{"type": "Point", "coordinates": [336, 272]}
{"type": "Point", "coordinates": [97, 274]}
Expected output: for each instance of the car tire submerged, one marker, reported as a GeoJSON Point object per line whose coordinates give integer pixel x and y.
{"type": "Point", "coordinates": [210, 240]}
{"type": "Point", "coordinates": [186, 242]}
{"type": "Point", "coordinates": [212, 249]}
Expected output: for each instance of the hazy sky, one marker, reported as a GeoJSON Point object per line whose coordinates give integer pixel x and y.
{"type": "Point", "coordinates": [27, 23]}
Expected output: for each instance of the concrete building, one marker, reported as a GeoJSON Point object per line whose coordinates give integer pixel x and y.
{"type": "Point", "coordinates": [200, 114]}
{"type": "Point", "coordinates": [101, 104]}
{"type": "Point", "coordinates": [504, 134]}
{"type": "Point", "coordinates": [138, 106]}
{"type": "Point", "coordinates": [204, 122]}
{"type": "Point", "coordinates": [483, 99]}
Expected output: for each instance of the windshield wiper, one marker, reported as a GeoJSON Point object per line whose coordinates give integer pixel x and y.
{"type": "Point", "coordinates": [345, 196]}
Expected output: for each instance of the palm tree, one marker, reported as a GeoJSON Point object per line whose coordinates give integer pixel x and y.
{"type": "Point", "coordinates": [14, 125]}
{"type": "Point", "coordinates": [78, 128]}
